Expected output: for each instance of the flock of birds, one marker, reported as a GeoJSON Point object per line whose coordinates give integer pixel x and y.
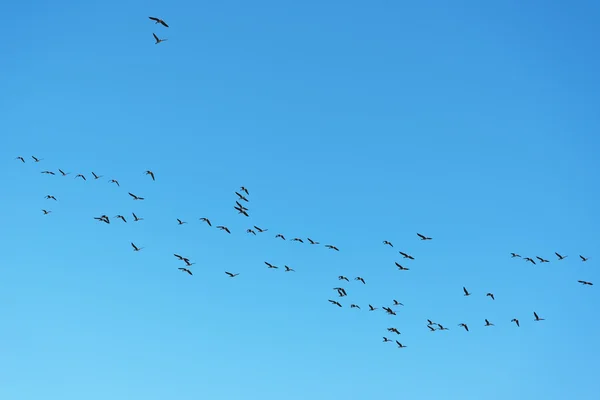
{"type": "Point", "coordinates": [242, 197]}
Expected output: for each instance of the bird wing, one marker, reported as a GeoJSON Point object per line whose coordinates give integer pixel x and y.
{"type": "Point", "coordinates": [164, 23]}
{"type": "Point", "coordinates": [155, 37]}
{"type": "Point", "coordinates": [153, 19]}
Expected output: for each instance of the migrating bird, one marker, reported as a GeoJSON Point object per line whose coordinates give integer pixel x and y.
{"type": "Point", "coordinates": [354, 306]}
{"type": "Point", "coordinates": [385, 242]}
{"type": "Point", "coordinates": [406, 255]}
{"type": "Point", "coordinates": [397, 303]}
{"type": "Point", "coordinates": [464, 326]}
{"type": "Point", "coordinates": [431, 328]}
{"type": "Point", "coordinates": [241, 211]}
{"type": "Point", "coordinates": [358, 278]}
{"type": "Point", "coordinates": [206, 220]}
{"type": "Point", "coordinates": [135, 218]}
{"type": "Point", "coordinates": [343, 278]}
{"type": "Point", "coordinates": [400, 267]}
{"type": "Point", "coordinates": [583, 258]}
{"type": "Point", "coordinates": [400, 345]}
{"type": "Point", "coordinates": [241, 197]}
{"type": "Point", "coordinates": [332, 247]}
{"type": "Point", "coordinates": [157, 39]}
{"type": "Point", "coordinates": [185, 270]}
{"type": "Point", "coordinates": [136, 197]}
{"type": "Point", "coordinates": [386, 339]}
{"type": "Point", "coordinates": [335, 302]}
{"type": "Point", "coordinates": [97, 176]}
{"type": "Point", "coordinates": [269, 265]}
{"type": "Point", "coordinates": [150, 173]}
{"type": "Point", "coordinates": [231, 275]}
{"type": "Point", "coordinates": [50, 197]}
{"type": "Point", "coordinates": [423, 237]}
{"type": "Point", "coordinates": [20, 158]}
{"type": "Point", "coordinates": [180, 222]}
{"type": "Point", "coordinates": [466, 291]}
{"type": "Point", "coordinates": [394, 330]}
{"type": "Point", "coordinates": [529, 259]}
{"type": "Point", "coordinates": [259, 229]}
{"type": "Point", "coordinates": [63, 173]}
{"type": "Point", "coordinates": [585, 283]}
{"type": "Point", "coordinates": [121, 217]}
{"type": "Point", "coordinates": [103, 218]}
{"type": "Point", "coordinates": [389, 311]}
{"type": "Point", "coordinates": [159, 21]}
{"type": "Point", "coordinates": [135, 248]}
{"type": "Point", "coordinates": [243, 189]}
{"type": "Point", "coordinates": [442, 328]}
{"type": "Point", "coordinates": [288, 269]}
{"type": "Point", "coordinates": [542, 260]}
{"type": "Point", "coordinates": [516, 321]}
{"type": "Point", "coordinates": [279, 235]}
{"type": "Point", "coordinates": [341, 291]}
{"type": "Point", "coordinates": [35, 159]}
{"type": "Point", "coordinates": [251, 231]}
{"type": "Point", "coordinates": [536, 317]}
{"type": "Point", "coordinates": [560, 257]}
{"type": "Point", "coordinates": [48, 172]}
{"type": "Point", "coordinates": [371, 308]}
{"type": "Point", "coordinates": [312, 241]}
{"type": "Point", "coordinates": [488, 323]}
{"type": "Point", "coordinates": [80, 176]}
{"type": "Point", "coordinates": [491, 295]}
{"type": "Point", "coordinates": [114, 181]}
{"type": "Point", "coordinates": [513, 255]}
{"type": "Point", "coordinates": [46, 212]}
{"type": "Point", "coordinates": [224, 228]}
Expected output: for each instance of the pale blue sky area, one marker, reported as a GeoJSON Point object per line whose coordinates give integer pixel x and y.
{"type": "Point", "coordinates": [350, 122]}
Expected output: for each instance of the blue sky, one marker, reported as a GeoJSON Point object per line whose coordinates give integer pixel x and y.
{"type": "Point", "coordinates": [349, 122]}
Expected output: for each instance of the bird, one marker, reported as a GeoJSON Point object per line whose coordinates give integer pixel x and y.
{"type": "Point", "coordinates": [103, 218]}
{"type": "Point", "coordinates": [464, 326]}
{"type": "Point", "coordinates": [224, 228]}
{"type": "Point", "coordinates": [80, 176]}
{"type": "Point", "coordinates": [400, 267]}
{"type": "Point", "coordinates": [251, 231]}
{"type": "Point", "coordinates": [537, 318]}
{"type": "Point", "coordinates": [513, 255]}
{"type": "Point", "coordinates": [354, 306]}
{"type": "Point", "coordinates": [488, 323]}
{"type": "Point", "coordinates": [466, 291]}
{"type": "Point", "coordinates": [114, 181]}
{"type": "Point", "coordinates": [335, 302]}
{"type": "Point", "coordinates": [206, 220]}
{"type": "Point", "coordinates": [332, 247]}
{"type": "Point", "coordinates": [148, 172]}
{"type": "Point", "coordinates": [178, 256]}
{"type": "Point", "coordinates": [135, 248]}
{"type": "Point", "coordinates": [358, 278]}
{"type": "Point", "coordinates": [423, 237]}
{"type": "Point", "coordinates": [542, 260]}
{"type": "Point", "coordinates": [185, 270]}
{"type": "Point", "coordinates": [394, 330]}
{"type": "Point", "coordinates": [397, 303]}
{"type": "Point", "coordinates": [516, 321]}
{"type": "Point", "coordinates": [431, 328]}
{"type": "Point", "coordinates": [491, 295]}
{"type": "Point", "coordinates": [96, 176]}
{"type": "Point", "coordinates": [48, 172]}
{"type": "Point", "coordinates": [297, 240]}
{"type": "Point", "coordinates": [46, 212]}
{"type": "Point", "coordinates": [389, 311]}
{"type": "Point", "coordinates": [529, 259]}
{"type": "Point", "coordinates": [135, 197]}
{"type": "Point", "coordinates": [586, 283]}
{"type": "Point", "coordinates": [231, 275]}
{"type": "Point", "coordinates": [241, 197]}
{"type": "Point", "coordinates": [187, 262]}
{"type": "Point", "coordinates": [243, 189]}
{"type": "Point", "coordinates": [50, 197]}
{"type": "Point", "coordinates": [121, 217]}
{"type": "Point", "coordinates": [240, 206]}
{"type": "Point", "coordinates": [157, 39]}
{"type": "Point", "coordinates": [135, 218]}
{"type": "Point", "coordinates": [442, 328]}
{"type": "Point", "coordinates": [288, 269]}
{"type": "Point", "coordinates": [20, 158]}
{"type": "Point", "coordinates": [371, 308]}
{"type": "Point", "coordinates": [400, 345]}
{"type": "Point", "coordinates": [343, 278]}
{"type": "Point", "coordinates": [180, 222]}
{"type": "Point", "coordinates": [312, 241]}
{"type": "Point", "coordinates": [260, 230]}
{"type": "Point", "coordinates": [269, 265]}
{"type": "Point", "coordinates": [63, 173]}
{"type": "Point", "coordinates": [406, 255]}
{"type": "Point", "coordinates": [35, 159]}
{"type": "Point", "coordinates": [341, 291]}
{"type": "Point", "coordinates": [279, 235]}
{"type": "Point", "coordinates": [385, 242]}
{"type": "Point", "coordinates": [159, 21]}
{"type": "Point", "coordinates": [584, 259]}
{"type": "Point", "coordinates": [430, 322]}
{"type": "Point", "coordinates": [386, 339]}
{"type": "Point", "coordinates": [560, 257]}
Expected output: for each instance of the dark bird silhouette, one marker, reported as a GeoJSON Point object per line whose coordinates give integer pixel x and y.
{"type": "Point", "coordinates": [400, 345]}
{"type": "Point", "coordinates": [159, 21]}
{"type": "Point", "coordinates": [311, 241]}
{"type": "Point", "coordinates": [400, 267]}
{"type": "Point", "coordinates": [187, 262]}
{"type": "Point", "coordinates": [259, 229]}
{"type": "Point", "coordinates": [542, 260]}
{"type": "Point", "coordinates": [35, 159]}
{"type": "Point", "coordinates": [491, 295]}
{"type": "Point", "coordinates": [560, 257]}
{"type": "Point", "coordinates": [466, 291]}
{"type": "Point", "coordinates": [288, 269]}
{"type": "Point", "coordinates": [464, 326]}
{"type": "Point", "coordinates": [332, 247]}
{"type": "Point", "coordinates": [206, 220]}
{"type": "Point", "coordinates": [354, 306]}
{"type": "Point", "coordinates": [488, 323]}
{"type": "Point", "coordinates": [584, 259]}
{"type": "Point", "coordinates": [148, 172]}
{"type": "Point", "coordinates": [180, 222]}
{"type": "Point", "coordinates": [385, 242]}
{"type": "Point", "coordinates": [386, 339]}
{"type": "Point", "coordinates": [371, 308]}
{"type": "Point", "coordinates": [406, 255]}
{"type": "Point", "coordinates": [223, 228]}
{"type": "Point", "coordinates": [529, 259]}
{"type": "Point", "coordinates": [63, 173]}
{"type": "Point", "coordinates": [335, 302]}
{"type": "Point", "coordinates": [103, 218]}
{"type": "Point", "coordinates": [251, 231]}
{"type": "Point", "coordinates": [50, 197]}
{"type": "Point", "coordinates": [297, 240]}
{"type": "Point", "coordinates": [516, 321]}
{"type": "Point", "coordinates": [243, 189]}
{"type": "Point", "coordinates": [423, 237]}
{"type": "Point", "coordinates": [397, 303]}
{"type": "Point", "coordinates": [269, 265]}
{"type": "Point", "coordinates": [157, 39]}
{"type": "Point", "coordinates": [136, 197]}
{"type": "Point", "coordinates": [20, 158]}
{"type": "Point", "coordinates": [96, 176]}
{"type": "Point", "coordinates": [114, 181]}
{"type": "Point", "coordinates": [343, 278]}
{"type": "Point", "coordinates": [389, 311]}
{"type": "Point", "coordinates": [241, 197]}
{"type": "Point", "coordinates": [80, 176]}
{"type": "Point", "coordinates": [48, 172]}
{"type": "Point", "coordinates": [513, 255]}
{"type": "Point", "coordinates": [240, 206]}
{"type": "Point", "coordinates": [442, 328]}
{"type": "Point", "coordinates": [358, 278]}
{"type": "Point", "coordinates": [279, 235]}
{"type": "Point", "coordinates": [46, 212]}
{"type": "Point", "coordinates": [135, 218]}
{"type": "Point", "coordinates": [135, 248]}
{"type": "Point", "coordinates": [586, 283]}
{"type": "Point", "coordinates": [537, 318]}
{"type": "Point", "coordinates": [185, 270]}
{"type": "Point", "coordinates": [431, 328]}
{"type": "Point", "coordinates": [241, 211]}
{"type": "Point", "coordinates": [394, 330]}
{"type": "Point", "coordinates": [231, 275]}
{"type": "Point", "coordinates": [430, 322]}
{"type": "Point", "coordinates": [179, 257]}
{"type": "Point", "coordinates": [341, 291]}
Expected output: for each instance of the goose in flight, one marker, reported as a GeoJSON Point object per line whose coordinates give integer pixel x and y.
{"type": "Point", "coordinates": [159, 21]}
{"type": "Point", "coordinates": [35, 159]}
{"type": "Point", "coordinates": [488, 323]}
{"type": "Point", "coordinates": [241, 197]}
{"type": "Point", "coordinates": [542, 260]}
{"type": "Point", "coordinates": [343, 278]}
{"type": "Point", "coordinates": [46, 212]}
{"type": "Point", "coordinates": [537, 318]}
{"type": "Point", "coordinates": [529, 259]}
{"type": "Point", "coordinates": [341, 291]}
{"type": "Point", "coordinates": [464, 326]}
{"type": "Point", "coordinates": [114, 181]}
{"type": "Point", "coordinates": [180, 222]}
{"type": "Point", "coordinates": [400, 345]}
{"type": "Point", "coordinates": [288, 269]}
{"type": "Point", "coordinates": [466, 291]}
{"type": "Point", "coordinates": [586, 283]}
{"type": "Point", "coordinates": [80, 176]}
{"type": "Point", "coordinates": [423, 237]}
{"type": "Point", "coordinates": [223, 228]}
{"type": "Point", "coordinates": [279, 235]}
{"type": "Point", "coordinates": [431, 328]}
{"type": "Point", "coordinates": [584, 259]}
{"type": "Point", "coordinates": [269, 265]}
{"type": "Point", "coordinates": [121, 217]}
{"type": "Point", "coordinates": [335, 302]}
{"type": "Point", "coordinates": [135, 197]}
{"type": "Point", "coordinates": [394, 330]}
{"type": "Point", "coordinates": [332, 247]}
{"type": "Point", "coordinates": [260, 230]}
{"type": "Point", "coordinates": [386, 339]}
{"type": "Point", "coordinates": [442, 328]}
{"type": "Point", "coordinates": [371, 308]}
{"type": "Point", "coordinates": [297, 240]}
{"type": "Point", "coordinates": [148, 172]}
{"type": "Point", "coordinates": [358, 278]}
{"type": "Point", "coordinates": [311, 241]}
{"type": "Point", "coordinates": [406, 255]}
{"type": "Point", "coordinates": [135, 248]}
{"type": "Point", "coordinates": [48, 172]}
{"type": "Point", "coordinates": [385, 242]}
{"type": "Point", "coordinates": [241, 211]}
{"type": "Point", "coordinates": [63, 173]}
{"type": "Point", "coordinates": [20, 158]}
{"type": "Point", "coordinates": [103, 218]}
{"type": "Point", "coordinates": [389, 311]}
{"type": "Point", "coordinates": [243, 189]}
{"type": "Point", "coordinates": [185, 270]}
{"type": "Point", "coordinates": [96, 176]}
{"type": "Point", "coordinates": [50, 197]}
{"type": "Point", "coordinates": [430, 322]}
{"type": "Point", "coordinates": [400, 267]}
{"type": "Point", "coordinates": [560, 257]}
{"type": "Point", "coordinates": [397, 303]}
{"type": "Point", "coordinates": [157, 39]}
{"type": "Point", "coordinates": [251, 231]}
{"type": "Point", "coordinates": [513, 255]}
{"type": "Point", "coordinates": [491, 295]}
{"type": "Point", "coordinates": [354, 306]}
{"type": "Point", "coordinates": [516, 321]}
{"type": "Point", "coordinates": [206, 220]}
{"type": "Point", "coordinates": [135, 218]}
{"type": "Point", "coordinates": [231, 275]}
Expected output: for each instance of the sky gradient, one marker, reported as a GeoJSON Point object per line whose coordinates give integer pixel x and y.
{"type": "Point", "coordinates": [349, 122]}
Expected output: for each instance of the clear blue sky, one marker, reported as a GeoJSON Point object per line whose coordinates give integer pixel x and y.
{"type": "Point", "coordinates": [350, 122]}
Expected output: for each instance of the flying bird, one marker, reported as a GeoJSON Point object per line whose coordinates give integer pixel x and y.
{"type": "Point", "coordinates": [279, 235]}
{"type": "Point", "coordinates": [491, 295]}
{"type": "Point", "coordinates": [269, 265]}
{"type": "Point", "coordinates": [513, 255]}
{"type": "Point", "coordinates": [385, 242]}
{"type": "Point", "coordinates": [529, 259]}
{"type": "Point", "coordinates": [354, 306]}
{"type": "Point", "coordinates": [185, 270]}
{"type": "Point", "coordinates": [121, 217]}
{"type": "Point", "coordinates": [358, 278]}
{"type": "Point", "coordinates": [400, 267]}
{"type": "Point", "coordinates": [341, 291]}
{"type": "Point", "coordinates": [50, 197]}
{"type": "Point", "coordinates": [241, 197]}
{"type": "Point", "coordinates": [103, 218]}
{"type": "Point", "coordinates": [343, 278]}
{"type": "Point", "coordinates": [466, 291]}
{"type": "Point", "coordinates": [423, 237]}
{"type": "Point", "coordinates": [332, 247]}
{"type": "Point", "coordinates": [20, 158]}
{"type": "Point", "coordinates": [48, 172]}
{"type": "Point", "coordinates": [259, 229]}
{"type": "Point", "coordinates": [288, 269]}
{"type": "Point", "coordinates": [63, 173]}
{"type": "Point", "coordinates": [431, 328]}
{"type": "Point", "coordinates": [386, 339]}
{"type": "Point", "coordinates": [406, 255]}
{"type": "Point", "coordinates": [135, 218]}
{"type": "Point", "coordinates": [464, 326]}
{"type": "Point", "coordinates": [488, 323]}
{"type": "Point", "coordinates": [157, 39]}
{"type": "Point", "coordinates": [542, 260]}
{"type": "Point", "coordinates": [35, 159]}
{"type": "Point", "coordinates": [150, 173]}
{"type": "Point", "coordinates": [516, 321]}
{"type": "Point", "coordinates": [46, 212]}
{"type": "Point", "coordinates": [297, 240]}
{"type": "Point", "coordinates": [96, 176]}
{"type": "Point", "coordinates": [231, 275]}
{"type": "Point", "coordinates": [243, 189]}
{"type": "Point", "coordinates": [206, 220]}
{"type": "Point", "coordinates": [135, 197]}
{"type": "Point", "coordinates": [560, 257]}
{"type": "Point", "coordinates": [537, 318]}
{"type": "Point", "coordinates": [159, 21]}
{"type": "Point", "coordinates": [251, 231]}
{"type": "Point", "coordinates": [312, 241]}
{"type": "Point", "coordinates": [371, 308]}
{"type": "Point", "coordinates": [400, 345]}
{"type": "Point", "coordinates": [397, 303]}
{"type": "Point", "coordinates": [224, 228]}
{"type": "Point", "coordinates": [442, 328]}
{"type": "Point", "coordinates": [394, 330]}
{"type": "Point", "coordinates": [335, 302]}
{"type": "Point", "coordinates": [584, 259]}
{"type": "Point", "coordinates": [180, 222]}
{"type": "Point", "coordinates": [80, 176]}
{"type": "Point", "coordinates": [135, 248]}
{"type": "Point", "coordinates": [585, 283]}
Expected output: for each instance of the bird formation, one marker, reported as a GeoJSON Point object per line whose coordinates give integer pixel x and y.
{"type": "Point", "coordinates": [242, 199]}
{"type": "Point", "coordinates": [156, 38]}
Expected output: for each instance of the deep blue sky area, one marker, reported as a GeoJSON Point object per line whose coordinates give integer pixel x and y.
{"type": "Point", "coordinates": [350, 123]}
